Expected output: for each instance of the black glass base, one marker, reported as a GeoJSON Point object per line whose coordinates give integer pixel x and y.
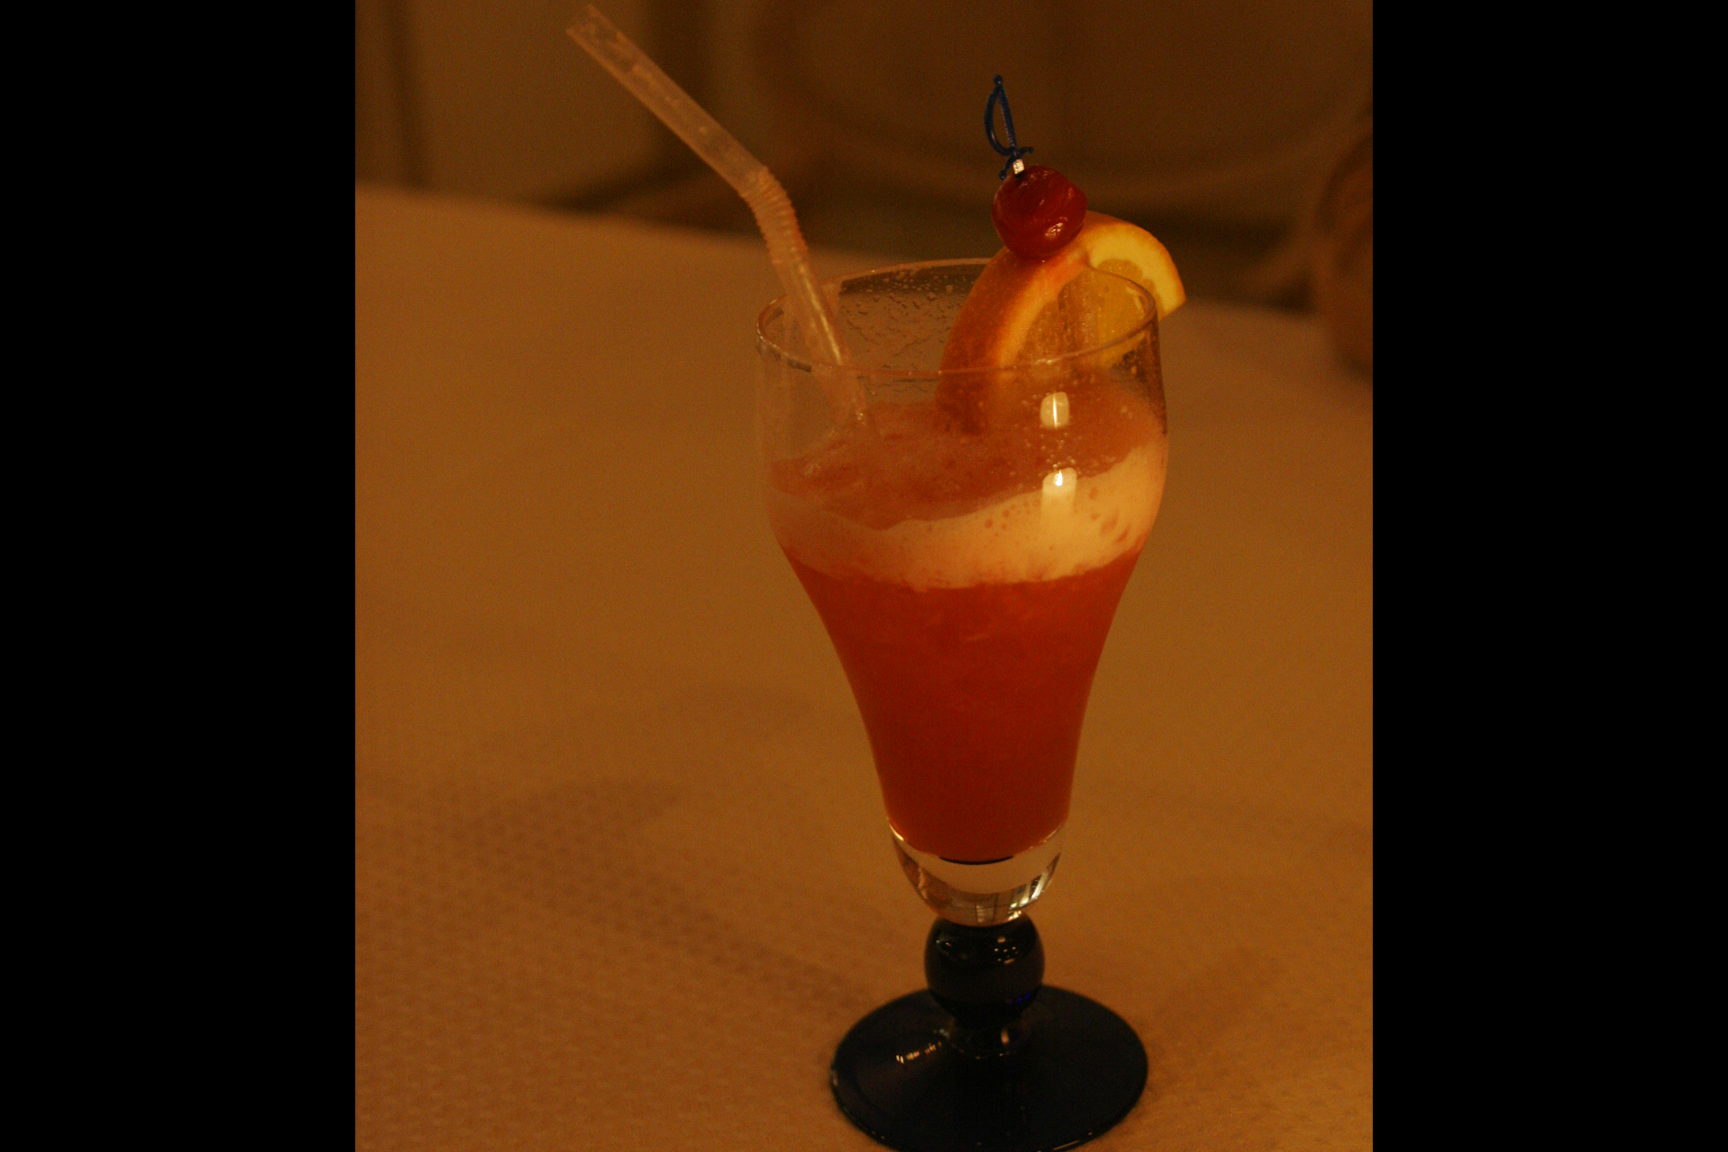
{"type": "Point", "coordinates": [1062, 1070]}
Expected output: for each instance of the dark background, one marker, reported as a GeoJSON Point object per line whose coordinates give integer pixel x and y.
{"type": "Point", "coordinates": [1213, 123]}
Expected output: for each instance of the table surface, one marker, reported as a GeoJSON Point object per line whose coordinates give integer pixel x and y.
{"type": "Point", "coordinates": [622, 875]}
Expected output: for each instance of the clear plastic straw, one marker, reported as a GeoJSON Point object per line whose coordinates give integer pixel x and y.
{"type": "Point", "coordinates": [767, 199]}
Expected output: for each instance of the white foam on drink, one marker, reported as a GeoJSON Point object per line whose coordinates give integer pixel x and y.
{"type": "Point", "coordinates": [1073, 524]}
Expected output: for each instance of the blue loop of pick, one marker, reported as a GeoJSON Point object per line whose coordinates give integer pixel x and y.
{"type": "Point", "coordinates": [1013, 151]}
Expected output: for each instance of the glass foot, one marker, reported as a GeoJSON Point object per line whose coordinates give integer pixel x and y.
{"type": "Point", "coordinates": [989, 1058]}
{"type": "Point", "coordinates": [1078, 1071]}
{"type": "Point", "coordinates": [980, 893]}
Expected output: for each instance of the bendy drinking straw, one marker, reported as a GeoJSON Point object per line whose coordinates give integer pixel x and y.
{"type": "Point", "coordinates": [767, 199]}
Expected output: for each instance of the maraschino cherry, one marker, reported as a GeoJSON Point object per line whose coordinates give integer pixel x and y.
{"type": "Point", "coordinates": [1037, 210]}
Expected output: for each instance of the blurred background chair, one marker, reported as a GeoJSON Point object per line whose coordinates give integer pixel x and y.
{"type": "Point", "coordinates": [1217, 124]}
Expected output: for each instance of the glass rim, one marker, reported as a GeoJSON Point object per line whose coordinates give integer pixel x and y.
{"type": "Point", "coordinates": [804, 363]}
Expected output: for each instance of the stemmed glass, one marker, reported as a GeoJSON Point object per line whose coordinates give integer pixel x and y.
{"type": "Point", "coordinates": [965, 542]}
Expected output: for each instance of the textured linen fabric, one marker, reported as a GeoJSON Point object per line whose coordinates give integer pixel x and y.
{"type": "Point", "coordinates": [622, 875]}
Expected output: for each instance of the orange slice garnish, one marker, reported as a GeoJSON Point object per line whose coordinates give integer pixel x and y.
{"type": "Point", "coordinates": [1022, 310]}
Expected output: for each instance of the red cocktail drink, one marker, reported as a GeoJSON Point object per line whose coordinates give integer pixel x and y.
{"type": "Point", "coordinates": [968, 581]}
{"type": "Point", "coordinates": [965, 534]}
{"type": "Point", "coordinates": [972, 698]}
{"type": "Point", "coordinates": [963, 460]}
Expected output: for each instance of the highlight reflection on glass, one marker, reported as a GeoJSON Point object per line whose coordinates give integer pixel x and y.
{"type": "Point", "coordinates": [1059, 490]}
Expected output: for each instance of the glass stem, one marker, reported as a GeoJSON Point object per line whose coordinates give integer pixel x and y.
{"type": "Point", "coordinates": [985, 978]}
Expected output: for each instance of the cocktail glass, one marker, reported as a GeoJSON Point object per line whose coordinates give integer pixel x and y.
{"type": "Point", "coordinates": [965, 544]}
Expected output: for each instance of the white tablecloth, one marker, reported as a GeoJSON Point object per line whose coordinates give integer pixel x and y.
{"type": "Point", "coordinates": [622, 875]}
